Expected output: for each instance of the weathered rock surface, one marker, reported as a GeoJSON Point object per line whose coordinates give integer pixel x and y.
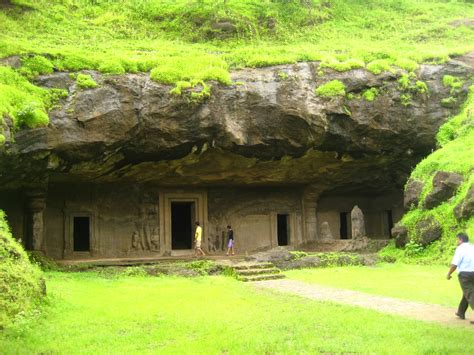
{"type": "Point", "coordinates": [274, 255]}
{"type": "Point", "coordinates": [465, 209]}
{"type": "Point", "coordinates": [400, 233]}
{"type": "Point", "coordinates": [412, 194]}
{"type": "Point", "coordinates": [266, 129]}
{"type": "Point", "coordinates": [445, 185]}
{"type": "Point", "coordinates": [429, 230]}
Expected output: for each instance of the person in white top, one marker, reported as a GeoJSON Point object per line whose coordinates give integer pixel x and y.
{"type": "Point", "coordinates": [463, 261]}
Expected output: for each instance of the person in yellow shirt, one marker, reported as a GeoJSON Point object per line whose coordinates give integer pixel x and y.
{"type": "Point", "coordinates": [197, 241]}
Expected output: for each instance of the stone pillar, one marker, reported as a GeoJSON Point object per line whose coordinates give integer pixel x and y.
{"type": "Point", "coordinates": [310, 201]}
{"type": "Point", "coordinates": [357, 222]}
{"type": "Point", "coordinates": [36, 203]}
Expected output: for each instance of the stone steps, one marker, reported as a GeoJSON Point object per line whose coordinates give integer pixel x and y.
{"type": "Point", "coordinates": [260, 271]}
{"type": "Point", "coordinates": [248, 272]}
{"type": "Point", "coordinates": [253, 266]}
{"type": "Point", "coordinates": [262, 277]}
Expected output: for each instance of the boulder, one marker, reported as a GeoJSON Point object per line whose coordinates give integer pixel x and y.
{"type": "Point", "coordinates": [400, 234]}
{"type": "Point", "coordinates": [429, 230]}
{"type": "Point", "coordinates": [412, 193]}
{"type": "Point", "coordinates": [465, 208]}
{"type": "Point", "coordinates": [445, 185]}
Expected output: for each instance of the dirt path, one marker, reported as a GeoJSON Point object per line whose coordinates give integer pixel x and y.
{"type": "Point", "coordinates": [410, 309]}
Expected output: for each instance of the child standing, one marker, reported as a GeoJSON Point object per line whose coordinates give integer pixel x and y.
{"type": "Point", "coordinates": [230, 240]}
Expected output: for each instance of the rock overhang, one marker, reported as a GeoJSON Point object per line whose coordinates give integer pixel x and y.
{"type": "Point", "coordinates": [267, 128]}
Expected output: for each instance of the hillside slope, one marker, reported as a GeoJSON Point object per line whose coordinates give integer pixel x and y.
{"type": "Point", "coordinates": [21, 283]}
{"type": "Point", "coordinates": [448, 214]}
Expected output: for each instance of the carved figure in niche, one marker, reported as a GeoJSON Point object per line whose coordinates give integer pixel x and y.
{"type": "Point", "coordinates": [137, 243]}
{"type": "Point", "coordinates": [357, 221]}
{"type": "Point", "coordinates": [325, 231]}
{"type": "Point", "coordinates": [147, 226]}
{"type": "Point", "coordinates": [211, 247]}
{"type": "Point", "coordinates": [155, 240]}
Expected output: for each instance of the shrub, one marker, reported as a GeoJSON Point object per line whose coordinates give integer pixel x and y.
{"type": "Point", "coordinates": [453, 82]}
{"type": "Point", "coordinates": [378, 66]}
{"type": "Point", "coordinates": [370, 94]}
{"type": "Point", "coordinates": [75, 62]}
{"type": "Point", "coordinates": [21, 283]}
{"type": "Point", "coordinates": [34, 66]}
{"type": "Point", "coordinates": [407, 64]}
{"type": "Point", "coordinates": [32, 115]}
{"type": "Point", "coordinates": [332, 88]}
{"type": "Point", "coordinates": [186, 69]}
{"type": "Point", "coordinates": [343, 66]}
{"type": "Point", "coordinates": [85, 81]}
{"type": "Point", "coordinates": [405, 99]}
{"type": "Point", "coordinates": [2, 139]}
{"type": "Point", "coordinates": [112, 67]}
{"type": "Point", "coordinates": [421, 87]}
{"type": "Point", "coordinates": [180, 85]}
{"type": "Point", "coordinates": [448, 101]}
{"type": "Point", "coordinates": [24, 102]}
{"type": "Point", "coordinates": [203, 267]}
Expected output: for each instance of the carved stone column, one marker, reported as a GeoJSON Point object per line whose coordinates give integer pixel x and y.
{"type": "Point", "coordinates": [36, 203]}
{"type": "Point", "coordinates": [310, 201]}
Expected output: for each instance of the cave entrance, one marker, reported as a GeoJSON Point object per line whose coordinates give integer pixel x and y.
{"type": "Point", "coordinates": [183, 215]}
{"type": "Point", "coordinates": [81, 233]}
{"type": "Point", "coordinates": [283, 229]}
{"type": "Point", "coordinates": [344, 225]}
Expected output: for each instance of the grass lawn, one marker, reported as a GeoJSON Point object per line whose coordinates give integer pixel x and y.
{"type": "Point", "coordinates": [424, 283]}
{"type": "Point", "coordinates": [88, 313]}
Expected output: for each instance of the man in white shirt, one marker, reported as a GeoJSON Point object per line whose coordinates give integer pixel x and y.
{"type": "Point", "coordinates": [463, 261]}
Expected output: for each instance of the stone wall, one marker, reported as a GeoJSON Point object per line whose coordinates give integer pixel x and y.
{"type": "Point", "coordinates": [134, 220]}
{"type": "Point", "coordinates": [252, 212]}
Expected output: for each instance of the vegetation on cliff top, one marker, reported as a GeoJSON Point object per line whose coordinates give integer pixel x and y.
{"type": "Point", "coordinates": [21, 283]}
{"type": "Point", "coordinates": [200, 40]}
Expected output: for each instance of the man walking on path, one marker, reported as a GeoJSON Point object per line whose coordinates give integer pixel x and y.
{"type": "Point", "coordinates": [197, 240]}
{"type": "Point", "coordinates": [463, 261]}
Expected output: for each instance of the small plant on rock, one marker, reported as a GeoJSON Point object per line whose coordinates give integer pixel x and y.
{"type": "Point", "coordinates": [370, 94]}
{"type": "Point", "coordinates": [331, 89]}
{"type": "Point", "coordinates": [85, 81]}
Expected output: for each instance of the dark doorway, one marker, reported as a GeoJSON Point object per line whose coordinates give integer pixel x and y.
{"type": "Point", "coordinates": [282, 229]}
{"type": "Point", "coordinates": [388, 223]}
{"type": "Point", "coordinates": [344, 229]}
{"type": "Point", "coordinates": [182, 221]}
{"type": "Point", "coordinates": [82, 234]}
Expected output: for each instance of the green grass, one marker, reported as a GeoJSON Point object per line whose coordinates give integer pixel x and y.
{"type": "Point", "coordinates": [213, 315]}
{"type": "Point", "coordinates": [141, 35]}
{"type": "Point", "coordinates": [423, 283]}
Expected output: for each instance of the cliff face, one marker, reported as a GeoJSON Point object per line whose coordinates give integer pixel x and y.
{"type": "Point", "coordinates": [269, 128]}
